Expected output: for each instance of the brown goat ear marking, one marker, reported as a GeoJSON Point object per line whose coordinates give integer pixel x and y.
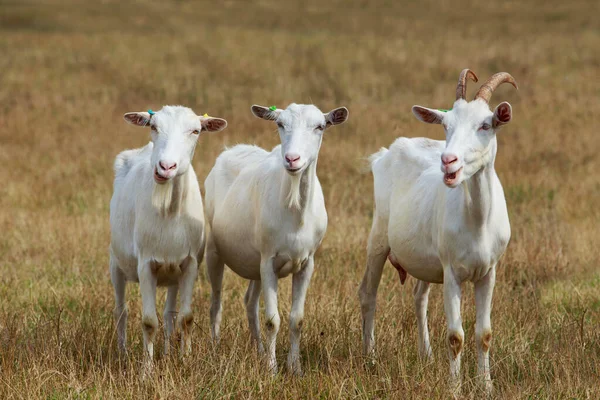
{"type": "Point", "coordinates": [427, 115]}
{"type": "Point", "coordinates": [430, 117]}
{"type": "Point", "coordinates": [502, 114]}
{"type": "Point", "coordinates": [337, 116]}
{"type": "Point", "coordinates": [135, 118]}
{"type": "Point", "coordinates": [264, 112]}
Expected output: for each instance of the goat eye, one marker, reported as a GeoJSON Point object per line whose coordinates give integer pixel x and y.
{"type": "Point", "coordinates": [153, 127]}
{"type": "Point", "coordinates": [196, 132]}
{"type": "Point", "coordinates": [320, 127]}
{"type": "Point", "coordinates": [279, 124]}
{"type": "Point", "coordinates": [485, 127]}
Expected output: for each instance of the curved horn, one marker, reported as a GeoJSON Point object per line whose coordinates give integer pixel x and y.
{"type": "Point", "coordinates": [486, 90]}
{"type": "Point", "coordinates": [461, 88]}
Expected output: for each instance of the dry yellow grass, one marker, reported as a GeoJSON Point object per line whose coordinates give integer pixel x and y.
{"type": "Point", "coordinates": [70, 69]}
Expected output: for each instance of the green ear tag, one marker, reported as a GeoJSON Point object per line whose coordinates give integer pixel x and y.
{"type": "Point", "coordinates": [273, 108]}
{"type": "Point", "coordinates": [443, 110]}
{"type": "Point", "coordinates": [151, 112]}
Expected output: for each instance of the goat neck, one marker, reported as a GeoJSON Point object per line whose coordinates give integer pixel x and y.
{"type": "Point", "coordinates": [479, 191]}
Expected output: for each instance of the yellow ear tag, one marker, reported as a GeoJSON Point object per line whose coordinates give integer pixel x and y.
{"type": "Point", "coordinates": [205, 115]}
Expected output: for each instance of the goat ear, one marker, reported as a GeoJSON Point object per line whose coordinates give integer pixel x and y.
{"type": "Point", "coordinates": [137, 118]}
{"type": "Point", "coordinates": [428, 115]}
{"type": "Point", "coordinates": [211, 124]}
{"type": "Point", "coordinates": [337, 116]}
{"type": "Point", "coordinates": [265, 112]}
{"type": "Point", "coordinates": [502, 114]}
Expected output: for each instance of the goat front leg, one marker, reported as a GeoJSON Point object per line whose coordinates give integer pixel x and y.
{"type": "Point", "coordinates": [251, 300]}
{"type": "Point", "coordinates": [456, 334]}
{"type": "Point", "coordinates": [149, 320]}
{"type": "Point", "coordinates": [421, 293]}
{"type": "Point", "coordinates": [377, 252]}
{"type": "Point", "coordinates": [484, 289]}
{"type": "Point", "coordinates": [186, 288]}
{"type": "Point", "coordinates": [300, 282]}
{"type": "Point", "coordinates": [269, 287]}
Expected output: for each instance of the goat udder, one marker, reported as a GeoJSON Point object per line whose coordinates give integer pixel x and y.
{"type": "Point", "coordinates": [401, 271]}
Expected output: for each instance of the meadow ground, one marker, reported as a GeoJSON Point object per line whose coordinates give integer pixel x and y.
{"type": "Point", "coordinates": [70, 69]}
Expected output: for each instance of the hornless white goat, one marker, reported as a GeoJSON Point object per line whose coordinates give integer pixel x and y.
{"type": "Point", "coordinates": [157, 221]}
{"type": "Point", "coordinates": [267, 218]}
{"type": "Point", "coordinates": [447, 226]}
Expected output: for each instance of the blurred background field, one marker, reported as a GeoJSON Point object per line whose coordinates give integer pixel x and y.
{"type": "Point", "coordinates": [70, 69]}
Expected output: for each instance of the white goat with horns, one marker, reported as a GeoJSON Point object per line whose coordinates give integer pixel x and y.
{"type": "Point", "coordinates": [267, 219]}
{"type": "Point", "coordinates": [157, 221]}
{"type": "Point", "coordinates": [447, 226]}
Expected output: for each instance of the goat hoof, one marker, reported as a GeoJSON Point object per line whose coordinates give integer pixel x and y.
{"type": "Point", "coordinates": [294, 367]}
{"type": "Point", "coordinates": [488, 387]}
{"type": "Point", "coordinates": [147, 370]}
{"type": "Point", "coordinates": [370, 362]}
{"type": "Point", "coordinates": [272, 367]}
{"type": "Point", "coordinates": [455, 389]}
{"type": "Point", "coordinates": [426, 355]}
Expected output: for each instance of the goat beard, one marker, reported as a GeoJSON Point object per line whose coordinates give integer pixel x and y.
{"type": "Point", "coordinates": [294, 196]}
{"type": "Point", "coordinates": [162, 197]}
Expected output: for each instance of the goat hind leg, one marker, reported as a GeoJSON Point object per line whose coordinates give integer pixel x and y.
{"type": "Point", "coordinates": [170, 315]}
{"type": "Point", "coordinates": [186, 288]}
{"type": "Point", "coordinates": [149, 320]}
{"type": "Point", "coordinates": [215, 269]}
{"type": "Point", "coordinates": [377, 252]}
{"type": "Point", "coordinates": [421, 293]}
{"type": "Point", "coordinates": [120, 312]}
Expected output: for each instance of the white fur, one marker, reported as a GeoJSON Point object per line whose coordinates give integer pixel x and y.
{"type": "Point", "coordinates": [440, 233]}
{"type": "Point", "coordinates": [266, 222]}
{"type": "Point", "coordinates": [157, 230]}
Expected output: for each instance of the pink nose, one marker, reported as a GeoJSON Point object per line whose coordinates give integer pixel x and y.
{"type": "Point", "coordinates": [167, 166]}
{"type": "Point", "coordinates": [448, 159]}
{"type": "Point", "coordinates": [292, 158]}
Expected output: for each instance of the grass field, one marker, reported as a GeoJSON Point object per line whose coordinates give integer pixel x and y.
{"type": "Point", "coordinates": [70, 69]}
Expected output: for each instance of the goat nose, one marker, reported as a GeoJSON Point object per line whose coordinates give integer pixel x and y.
{"type": "Point", "coordinates": [292, 157]}
{"type": "Point", "coordinates": [448, 159]}
{"type": "Point", "coordinates": [167, 166]}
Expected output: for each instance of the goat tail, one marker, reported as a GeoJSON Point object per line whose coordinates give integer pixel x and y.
{"type": "Point", "coordinates": [373, 158]}
{"type": "Point", "coordinates": [125, 160]}
{"type": "Point", "coordinates": [122, 164]}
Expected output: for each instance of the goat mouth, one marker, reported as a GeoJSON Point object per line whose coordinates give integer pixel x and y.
{"type": "Point", "coordinates": [158, 178]}
{"type": "Point", "coordinates": [450, 178]}
{"type": "Point", "coordinates": [293, 171]}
